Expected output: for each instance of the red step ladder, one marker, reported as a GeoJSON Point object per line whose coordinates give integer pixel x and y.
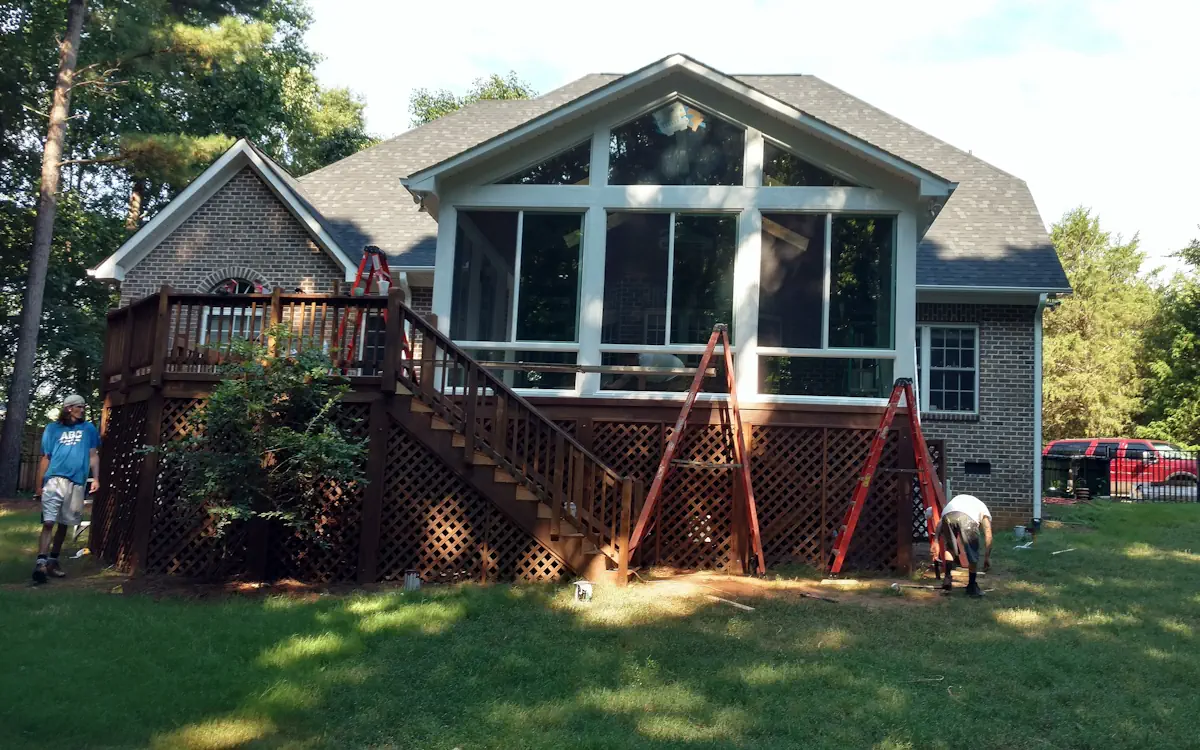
{"type": "Point", "coordinates": [372, 267]}
{"type": "Point", "coordinates": [932, 495]}
{"type": "Point", "coordinates": [741, 458]}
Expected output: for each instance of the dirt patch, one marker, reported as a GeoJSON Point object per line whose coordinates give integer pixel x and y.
{"type": "Point", "coordinates": [871, 592]}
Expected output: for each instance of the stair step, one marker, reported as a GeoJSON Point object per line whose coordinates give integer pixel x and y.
{"type": "Point", "coordinates": [504, 477]}
{"type": "Point", "coordinates": [524, 493]}
{"type": "Point", "coordinates": [419, 407]}
{"type": "Point", "coordinates": [441, 424]}
{"type": "Point", "coordinates": [402, 391]}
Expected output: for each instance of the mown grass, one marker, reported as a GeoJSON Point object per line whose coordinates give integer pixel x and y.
{"type": "Point", "coordinates": [1095, 648]}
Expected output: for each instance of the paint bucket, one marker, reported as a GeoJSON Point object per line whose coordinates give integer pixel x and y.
{"type": "Point", "coordinates": [1019, 532]}
{"type": "Point", "coordinates": [412, 580]}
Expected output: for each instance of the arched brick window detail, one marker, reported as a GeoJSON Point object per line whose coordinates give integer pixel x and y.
{"type": "Point", "coordinates": [223, 324]}
{"type": "Point", "coordinates": [244, 276]}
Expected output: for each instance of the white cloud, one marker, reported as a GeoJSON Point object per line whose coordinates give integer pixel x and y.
{"type": "Point", "coordinates": [1091, 103]}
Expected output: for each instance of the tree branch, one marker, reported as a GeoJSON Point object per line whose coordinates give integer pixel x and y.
{"type": "Point", "coordinates": [98, 160]}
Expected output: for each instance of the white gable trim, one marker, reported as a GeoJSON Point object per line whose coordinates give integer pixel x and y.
{"type": "Point", "coordinates": [220, 172]}
{"type": "Point", "coordinates": [424, 182]}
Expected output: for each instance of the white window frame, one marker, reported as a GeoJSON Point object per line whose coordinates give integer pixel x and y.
{"type": "Point", "coordinates": [925, 369]}
{"type": "Point", "coordinates": [749, 201]}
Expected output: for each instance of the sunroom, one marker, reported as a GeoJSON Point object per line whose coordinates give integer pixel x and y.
{"type": "Point", "coordinates": [600, 243]}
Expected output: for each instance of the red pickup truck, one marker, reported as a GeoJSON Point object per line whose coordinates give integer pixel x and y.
{"type": "Point", "coordinates": [1135, 466]}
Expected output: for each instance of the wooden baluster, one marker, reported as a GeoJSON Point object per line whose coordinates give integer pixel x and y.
{"type": "Point", "coordinates": [427, 376]}
{"type": "Point", "coordinates": [276, 319]}
{"type": "Point", "coordinates": [576, 483]}
{"type": "Point", "coordinates": [500, 424]}
{"type": "Point", "coordinates": [556, 485]}
{"type": "Point", "coordinates": [325, 319]}
{"type": "Point", "coordinates": [469, 416]}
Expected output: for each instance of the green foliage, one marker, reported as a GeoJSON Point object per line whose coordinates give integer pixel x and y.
{"type": "Point", "coordinates": [426, 106]}
{"type": "Point", "coordinates": [1173, 358]}
{"type": "Point", "coordinates": [266, 445]}
{"type": "Point", "coordinates": [1092, 384]}
{"type": "Point", "coordinates": [163, 86]}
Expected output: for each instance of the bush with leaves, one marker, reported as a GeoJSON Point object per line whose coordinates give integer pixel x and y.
{"type": "Point", "coordinates": [266, 444]}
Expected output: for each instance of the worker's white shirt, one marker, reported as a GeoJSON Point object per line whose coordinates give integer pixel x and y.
{"type": "Point", "coordinates": [970, 505]}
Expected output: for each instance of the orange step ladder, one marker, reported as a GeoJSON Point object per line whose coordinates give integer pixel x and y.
{"type": "Point", "coordinates": [932, 495]}
{"type": "Point", "coordinates": [741, 458]}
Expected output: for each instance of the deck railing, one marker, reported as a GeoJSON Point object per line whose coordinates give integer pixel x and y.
{"type": "Point", "coordinates": [187, 336]}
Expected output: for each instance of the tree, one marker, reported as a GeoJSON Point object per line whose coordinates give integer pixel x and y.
{"type": "Point", "coordinates": [426, 106]}
{"type": "Point", "coordinates": [267, 445]}
{"type": "Point", "coordinates": [43, 233]}
{"type": "Point", "coordinates": [162, 88]}
{"type": "Point", "coordinates": [1092, 384]}
{"type": "Point", "coordinates": [1173, 357]}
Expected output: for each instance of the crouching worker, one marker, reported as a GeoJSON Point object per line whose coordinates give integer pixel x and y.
{"type": "Point", "coordinates": [962, 520]}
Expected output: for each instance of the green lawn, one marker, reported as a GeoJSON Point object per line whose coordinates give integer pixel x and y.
{"type": "Point", "coordinates": [1095, 648]}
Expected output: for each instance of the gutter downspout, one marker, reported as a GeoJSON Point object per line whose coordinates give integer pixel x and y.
{"type": "Point", "coordinates": [1037, 408]}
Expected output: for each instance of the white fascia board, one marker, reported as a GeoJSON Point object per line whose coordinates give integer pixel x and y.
{"type": "Point", "coordinates": [1035, 290]}
{"type": "Point", "coordinates": [930, 184]}
{"type": "Point", "coordinates": [195, 194]}
{"type": "Point", "coordinates": [683, 197]}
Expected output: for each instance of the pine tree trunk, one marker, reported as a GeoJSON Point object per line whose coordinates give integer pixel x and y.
{"type": "Point", "coordinates": [136, 196]}
{"type": "Point", "coordinates": [21, 389]}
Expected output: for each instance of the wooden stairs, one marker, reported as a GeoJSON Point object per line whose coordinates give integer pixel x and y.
{"type": "Point", "coordinates": [534, 472]}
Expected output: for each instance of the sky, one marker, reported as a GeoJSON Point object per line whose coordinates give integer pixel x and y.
{"type": "Point", "coordinates": [1092, 103]}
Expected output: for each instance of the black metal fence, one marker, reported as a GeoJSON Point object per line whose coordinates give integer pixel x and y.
{"type": "Point", "coordinates": [1169, 476]}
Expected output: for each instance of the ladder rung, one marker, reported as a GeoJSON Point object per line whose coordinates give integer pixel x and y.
{"type": "Point", "coordinates": [705, 464]}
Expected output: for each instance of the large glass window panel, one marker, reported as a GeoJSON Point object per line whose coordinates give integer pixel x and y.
{"type": "Point", "coordinates": [571, 167]}
{"type": "Point", "coordinates": [791, 281]}
{"type": "Point", "coordinates": [861, 293]}
{"type": "Point", "coordinates": [548, 295]}
{"type": "Point", "coordinates": [814, 376]}
{"type": "Point", "coordinates": [485, 253]}
{"type": "Point", "coordinates": [635, 278]}
{"type": "Point", "coordinates": [702, 278]}
{"type": "Point", "coordinates": [677, 144]}
{"type": "Point", "coordinates": [661, 381]}
{"type": "Point", "coordinates": [782, 168]}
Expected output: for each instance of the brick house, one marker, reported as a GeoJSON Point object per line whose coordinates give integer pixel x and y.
{"type": "Point", "coordinates": [619, 216]}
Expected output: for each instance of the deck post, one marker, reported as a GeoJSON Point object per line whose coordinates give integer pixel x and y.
{"type": "Point", "coordinates": [393, 337]}
{"type": "Point", "coordinates": [372, 509]}
{"type": "Point", "coordinates": [127, 364]}
{"type": "Point", "coordinates": [624, 532]}
{"type": "Point", "coordinates": [904, 501]}
{"type": "Point", "coordinates": [158, 355]}
{"type": "Point", "coordinates": [276, 319]}
{"type": "Point", "coordinates": [147, 488]}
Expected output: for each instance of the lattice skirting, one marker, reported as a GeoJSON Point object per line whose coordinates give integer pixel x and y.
{"type": "Point", "coordinates": [803, 480]}
{"type": "Point", "coordinates": [113, 511]}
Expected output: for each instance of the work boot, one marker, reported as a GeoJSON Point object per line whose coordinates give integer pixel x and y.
{"type": "Point", "coordinates": [54, 569]}
{"type": "Point", "coordinates": [39, 572]}
{"type": "Point", "coordinates": [947, 584]}
{"type": "Point", "coordinates": [973, 590]}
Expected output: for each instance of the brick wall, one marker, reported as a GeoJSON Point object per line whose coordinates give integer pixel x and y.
{"type": "Point", "coordinates": [1002, 434]}
{"type": "Point", "coordinates": [242, 231]}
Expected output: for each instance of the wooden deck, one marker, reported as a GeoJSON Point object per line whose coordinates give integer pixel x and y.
{"type": "Point", "coordinates": [467, 479]}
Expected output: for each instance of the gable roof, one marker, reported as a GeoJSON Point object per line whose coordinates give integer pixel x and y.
{"type": "Point", "coordinates": [930, 184]}
{"type": "Point", "coordinates": [241, 155]}
{"type": "Point", "coordinates": [988, 234]}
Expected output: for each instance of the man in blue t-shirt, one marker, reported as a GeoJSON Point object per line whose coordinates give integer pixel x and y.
{"type": "Point", "coordinates": [70, 459]}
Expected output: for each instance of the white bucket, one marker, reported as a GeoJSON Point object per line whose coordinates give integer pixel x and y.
{"type": "Point", "coordinates": [1019, 532]}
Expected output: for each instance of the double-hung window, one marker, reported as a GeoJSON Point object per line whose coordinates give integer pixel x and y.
{"type": "Point", "coordinates": [948, 358]}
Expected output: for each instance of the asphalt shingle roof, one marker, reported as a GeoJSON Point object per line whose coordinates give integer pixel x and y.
{"type": "Point", "coordinates": [988, 234]}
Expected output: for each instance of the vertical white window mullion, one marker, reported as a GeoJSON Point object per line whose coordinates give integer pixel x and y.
{"type": "Point", "coordinates": [923, 366]}
{"type": "Point", "coordinates": [443, 275]}
{"type": "Point", "coordinates": [670, 277]}
{"type": "Point", "coordinates": [747, 270]}
{"type": "Point", "coordinates": [591, 296]}
{"type": "Point", "coordinates": [512, 336]}
{"type": "Point", "coordinates": [826, 281]}
{"type": "Point", "coordinates": [752, 158]}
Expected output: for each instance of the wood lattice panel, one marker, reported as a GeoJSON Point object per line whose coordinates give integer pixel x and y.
{"type": "Point", "coordinates": [874, 545]}
{"type": "Point", "coordinates": [789, 472]}
{"type": "Point", "coordinates": [330, 551]}
{"type": "Point", "coordinates": [434, 523]}
{"type": "Point", "coordinates": [121, 459]}
{"type": "Point", "coordinates": [180, 542]}
{"type": "Point", "coordinates": [694, 528]}
{"type": "Point", "coordinates": [920, 532]}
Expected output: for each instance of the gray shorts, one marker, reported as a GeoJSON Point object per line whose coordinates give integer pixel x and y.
{"type": "Point", "coordinates": [955, 527]}
{"type": "Point", "coordinates": [62, 501]}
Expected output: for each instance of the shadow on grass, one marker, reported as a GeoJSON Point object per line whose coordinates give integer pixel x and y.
{"type": "Point", "coordinates": [1066, 654]}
